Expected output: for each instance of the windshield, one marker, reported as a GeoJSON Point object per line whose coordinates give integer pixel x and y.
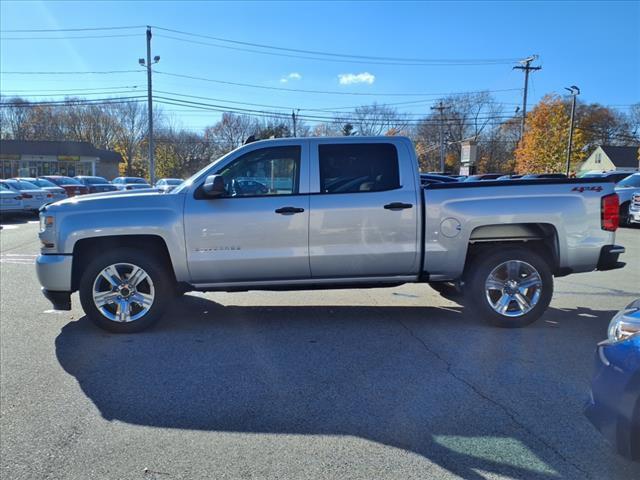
{"type": "Point", "coordinates": [173, 181]}
{"type": "Point", "coordinates": [41, 182]}
{"type": "Point", "coordinates": [94, 180]}
{"type": "Point", "coordinates": [631, 181]}
{"type": "Point", "coordinates": [134, 180]}
{"type": "Point", "coordinates": [22, 185]}
{"type": "Point", "coordinates": [67, 181]}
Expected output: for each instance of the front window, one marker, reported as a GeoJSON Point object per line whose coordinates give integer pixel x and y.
{"type": "Point", "coordinates": [267, 171]}
{"type": "Point", "coordinates": [351, 168]}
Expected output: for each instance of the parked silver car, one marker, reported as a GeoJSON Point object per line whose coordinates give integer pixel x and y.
{"type": "Point", "coordinates": [130, 183]}
{"type": "Point", "coordinates": [10, 200]}
{"type": "Point", "coordinates": [625, 190]}
{"type": "Point", "coordinates": [33, 197]}
{"type": "Point", "coordinates": [165, 185]}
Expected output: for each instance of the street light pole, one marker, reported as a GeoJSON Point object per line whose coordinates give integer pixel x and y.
{"type": "Point", "coordinates": [148, 63]}
{"type": "Point", "coordinates": [574, 91]}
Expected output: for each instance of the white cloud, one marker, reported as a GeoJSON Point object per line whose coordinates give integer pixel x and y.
{"type": "Point", "coordinates": [291, 76]}
{"type": "Point", "coordinates": [351, 78]}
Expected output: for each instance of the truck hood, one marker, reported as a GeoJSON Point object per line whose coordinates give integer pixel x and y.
{"type": "Point", "coordinates": [112, 200]}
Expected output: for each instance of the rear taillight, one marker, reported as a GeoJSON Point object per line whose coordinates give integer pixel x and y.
{"type": "Point", "coordinates": [610, 212]}
{"type": "Point", "coordinates": [49, 195]}
{"type": "Point", "coordinates": [26, 195]}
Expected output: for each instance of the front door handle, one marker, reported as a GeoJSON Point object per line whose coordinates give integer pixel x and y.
{"type": "Point", "coordinates": [289, 210]}
{"type": "Point", "coordinates": [397, 206]}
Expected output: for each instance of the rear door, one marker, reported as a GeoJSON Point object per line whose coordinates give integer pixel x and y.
{"type": "Point", "coordinates": [364, 209]}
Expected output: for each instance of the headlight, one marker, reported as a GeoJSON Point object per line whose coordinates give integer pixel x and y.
{"type": "Point", "coordinates": [46, 221]}
{"type": "Point", "coordinates": [626, 323]}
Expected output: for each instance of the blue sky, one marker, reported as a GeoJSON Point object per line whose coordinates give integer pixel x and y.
{"type": "Point", "coordinates": [595, 45]}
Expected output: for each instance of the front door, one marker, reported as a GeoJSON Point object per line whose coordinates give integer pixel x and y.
{"type": "Point", "coordinates": [259, 230]}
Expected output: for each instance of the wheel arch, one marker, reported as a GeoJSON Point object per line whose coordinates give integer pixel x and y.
{"type": "Point", "coordinates": [85, 249]}
{"type": "Point", "coordinates": [540, 237]}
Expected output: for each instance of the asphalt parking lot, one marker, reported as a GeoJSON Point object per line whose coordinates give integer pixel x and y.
{"type": "Point", "coordinates": [381, 383]}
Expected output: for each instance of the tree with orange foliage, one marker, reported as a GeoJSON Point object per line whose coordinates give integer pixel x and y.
{"type": "Point", "coordinates": [543, 148]}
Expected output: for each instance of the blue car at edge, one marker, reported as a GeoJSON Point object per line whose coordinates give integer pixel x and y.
{"type": "Point", "coordinates": [614, 404]}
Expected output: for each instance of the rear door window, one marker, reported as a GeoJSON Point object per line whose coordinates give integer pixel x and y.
{"type": "Point", "coordinates": [358, 167]}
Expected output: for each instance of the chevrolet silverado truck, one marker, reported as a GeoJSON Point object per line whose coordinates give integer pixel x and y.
{"type": "Point", "coordinates": [319, 213]}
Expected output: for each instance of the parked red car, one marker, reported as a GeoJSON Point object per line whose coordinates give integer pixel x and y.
{"type": "Point", "coordinates": [71, 186]}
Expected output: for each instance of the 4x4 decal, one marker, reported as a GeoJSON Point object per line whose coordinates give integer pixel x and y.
{"type": "Point", "coordinates": [596, 188]}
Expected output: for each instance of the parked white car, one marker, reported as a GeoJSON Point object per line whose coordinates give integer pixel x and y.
{"type": "Point", "coordinates": [634, 208]}
{"type": "Point", "coordinates": [10, 200]}
{"type": "Point", "coordinates": [58, 193]}
{"type": "Point", "coordinates": [33, 197]}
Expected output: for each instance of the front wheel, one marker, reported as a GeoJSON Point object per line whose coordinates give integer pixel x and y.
{"type": "Point", "coordinates": [510, 288]}
{"type": "Point", "coordinates": [125, 290]}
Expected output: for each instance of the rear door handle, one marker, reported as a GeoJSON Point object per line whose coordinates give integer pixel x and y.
{"type": "Point", "coordinates": [397, 206]}
{"type": "Point", "coordinates": [289, 210]}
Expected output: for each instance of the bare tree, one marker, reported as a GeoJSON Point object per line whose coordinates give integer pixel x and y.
{"type": "Point", "coordinates": [231, 131]}
{"type": "Point", "coordinates": [132, 127]}
{"type": "Point", "coordinates": [375, 119]}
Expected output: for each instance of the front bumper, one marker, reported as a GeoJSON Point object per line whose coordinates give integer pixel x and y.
{"type": "Point", "coordinates": [609, 257]}
{"type": "Point", "coordinates": [634, 216]}
{"type": "Point", "coordinates": [54, 272]}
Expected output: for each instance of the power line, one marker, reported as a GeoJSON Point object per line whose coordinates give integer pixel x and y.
{"type": "Point", "coordinates": [70, 103]}
{"type": "Point", "coordinates": [108, 92]}
{"type": "Point", "coordinates": [334, 54]}
{"type": "Point", "coordinates": [97, 72]}
{"type": "Point", "coordinates": [72, 38]}
{"type": "Point", "coordinates": [328, 59]}
{"type": "Point", "coordinates": [71, 89]}
{"type": "Point", "coordinates": [84, 29]}
{"type": "Point", "coordinates": [327, 92]}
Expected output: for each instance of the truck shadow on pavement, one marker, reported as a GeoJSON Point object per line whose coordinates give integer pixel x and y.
{"type": "Point", "coordinates": [383, 374]}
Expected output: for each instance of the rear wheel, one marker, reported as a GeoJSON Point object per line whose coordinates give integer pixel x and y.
{"type": "Point", "coordinates": [125, 290]}
{"type": "Point", "coordinates": [510, 287]}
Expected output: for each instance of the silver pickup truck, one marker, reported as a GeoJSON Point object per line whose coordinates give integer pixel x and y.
{"type": "Point", "coordinates": [318, 213]}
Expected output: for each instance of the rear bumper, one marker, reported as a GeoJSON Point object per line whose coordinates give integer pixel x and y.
{"type": "Point", "coordinates": [608, 259]}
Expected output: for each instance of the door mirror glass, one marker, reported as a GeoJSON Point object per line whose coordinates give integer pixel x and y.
{"type": "Point", "coordinates": [213, 186]}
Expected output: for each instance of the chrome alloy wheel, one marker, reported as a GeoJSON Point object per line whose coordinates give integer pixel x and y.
{"type": "Point", "coordinates": [123, 292]}
{"type": "Point", "coordinates": [513, 288]}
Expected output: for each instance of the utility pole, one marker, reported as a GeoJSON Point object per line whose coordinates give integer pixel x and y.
{"type": "Point", "coordinates": [526, 67]}
{"type": "Point", "coordinates": [441, 108]}
{"type": "Point", "coordinates": [574, 92]}
{"type": "Point", "coordinates": [148, 64]}
{"type": "Point", "coordinates": [294, 117]}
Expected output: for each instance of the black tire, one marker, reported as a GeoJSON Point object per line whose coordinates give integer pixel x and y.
{"type": "Point", "coordinates": [479, 271]}
{"type": "Point", "coordinates": [163, 284]}
{"type": "Point", "coordinates": [624, 214]}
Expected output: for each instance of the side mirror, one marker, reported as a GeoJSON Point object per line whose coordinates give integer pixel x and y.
{"type": "Point", "coordinates": [213, 186]}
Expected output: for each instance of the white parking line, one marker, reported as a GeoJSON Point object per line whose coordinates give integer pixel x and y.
{"type": "Point", "coordinates": [18, 258]}
{"type": "Point", "coordinates": [9, 227]}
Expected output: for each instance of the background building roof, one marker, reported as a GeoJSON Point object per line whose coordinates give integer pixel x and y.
{"type": "Point", "coordinates": [55, 148]}
{"type": "Point", "coordinates": [622, 156]}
